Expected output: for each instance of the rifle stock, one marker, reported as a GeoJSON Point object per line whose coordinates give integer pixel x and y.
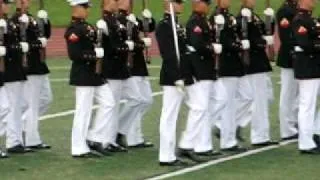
{"type": "Point", "coordinates": [145, 23]}
{"type": "Point", "coordinates": [246, 53]}
{"type": "Point", "coordinates": [41, 24]}
{"type": "Point", "coordinates": [269, 32]}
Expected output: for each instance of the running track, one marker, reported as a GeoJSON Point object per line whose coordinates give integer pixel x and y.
{"type": "Point", "coordinates": [57, 45]}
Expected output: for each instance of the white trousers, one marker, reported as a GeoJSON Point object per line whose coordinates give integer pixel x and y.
{"type": "Point", "coordinates": [260, 127]}
{"type": "Point", "coordinates": [198, 133]}
{"type": "Point", "coordinates": [308, 93]}
{"type": "Point", "coordinates": [122, 89]}
{"type": "Point", "coordinates": [288, 107]}
{"type": "Point", "coordinates": [135, 134]}
{"type": "Point", "coordinates": [38, 95]}
{"type": "Point", "coordinates": [171, 103]}
{"type": "Point", "coordinates": [14, 117]}
{"type": "Point", "coordinates": [85, 97]}
{"type": "Point", "coordinates": [244, 102]}
{"type": "Point", "coordinates": [4, 110]}
{"type": "Point", "coordinates": [139, 100]}
{"type": "Point", "coordinates": [228, 116]}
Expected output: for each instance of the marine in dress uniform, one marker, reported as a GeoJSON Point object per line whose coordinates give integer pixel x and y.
{"type": "Point", "coordinates": [37, 90]}
{"type": "Point", "coordinates": [4, 106]}
{"type": "Point", "coordinates": [307, 72]}
{"type": "Point", "coordinates": [197, 135]}
{"type": "Point", "coordinates": [89, 85]}
{"type": "Point", "coordinates": [116, 64]}
{"type": "Point", "coordinates": [288, 107]}
{"type": "Point", "coordinates": [257, 72]}
{"type": "Point", "coordinates": [230, 71]}
{"type": "Point", "coordinates": [130, 119]}
{"type": "Point", "coordinates": [175, 75]}
{"type": "Point", "coordinates": [15, 78]}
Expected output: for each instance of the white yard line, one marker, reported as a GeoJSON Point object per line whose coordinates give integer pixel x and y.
{"type": "Point", "coordinates": [219, 161]}
{"type": "Point", "coordinates": [70, 112]}
{"type": "Point", "coordinates": [68, 67]}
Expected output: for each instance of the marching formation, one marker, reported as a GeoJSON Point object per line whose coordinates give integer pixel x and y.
{"type": "Point", "coordinates": [25, 87]}
{"type": "Point", "coordinates": [218, 64]}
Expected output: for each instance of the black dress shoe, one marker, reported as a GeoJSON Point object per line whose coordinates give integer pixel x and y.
{"type": "Point", "coordinates": [264, 144]}
{"type": "Point", "coordinates": [88, 155]}
{"type": "Point", "coordinates": [3, 155]}
{"type": "Point", "coordinates": [146, 144]}
{"type": "Point", "coordinates": [19, 149]}
{"type": "Point", "coordinates": [239, 135]}
{"type": "Point", "coordinates": [116, 148]}
{"type": "Point", "coordinates": [316, 139]}
{"type": "Point", "coordinates": [314, 151]}
{"type": "Point", "coordinates": [99, 148]}
{"type": "Point", "coordinates": [121, 140]}
{"type": "Point", "coordinates": [175, 163]}
{"type": "Point", "coordinates": [296, 136]}
{"type": "Point", "coordinates": [189, 154]}
{"type": "Point", "coordinates": [209, 153]}
{"type": "Point", "coordinates": [41, 146]}
{"type": "Point", "coordinates": [217, 133]}
{"type": "Point", "coordinates": [235, 149]}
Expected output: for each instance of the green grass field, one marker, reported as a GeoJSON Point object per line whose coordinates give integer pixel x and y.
{"type": "Point", "coordinates": [284, 163]}
{"type": "Point", "coordinates": [59, 10]}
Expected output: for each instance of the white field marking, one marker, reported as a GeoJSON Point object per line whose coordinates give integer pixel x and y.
{"type": "Point", "coordinates": [68, 67]}
{"type": "Point", "coordinates": [151, 78]}
{"type": "Point", "coordinates": [69, 112]}
{"type": "Point", "coordinates": [219, 161]}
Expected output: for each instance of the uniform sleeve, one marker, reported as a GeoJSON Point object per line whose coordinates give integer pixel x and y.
{"type": "Point", "coordinates": [301, 31]}
{"type": "Point", "coordinates": [284, 23]}
{"type": "Point", "coordinates": [75, 51]}
{"type": "Point", "coordinates": [165, 42]}
{"type": "Point", "coordinates": [47, 29]}
{"type": "Point", "coordinates": [198, 41]}
{"type": "Point", "coordinates": [229, 39]}
{"type": "Point", "coordinates": [151, 23]}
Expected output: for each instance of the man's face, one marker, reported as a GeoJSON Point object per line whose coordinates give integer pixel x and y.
{"type": "Point", "coordinates": [249, 3]}
{"type": "Point", "coordinates": [178, 8]}
{"type": "Point", "coordinates": [225, 3]}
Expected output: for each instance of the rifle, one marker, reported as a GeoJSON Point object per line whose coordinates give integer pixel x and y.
{"type": "Point", "coordinates": [23, 34]}
{"type": "Point", "coordinates": [99, 44]}
{"type": "Point", "coordinates": [130, 27]}
{"type": "Point", "coordinates": [2, 31]}
{"type": "Point", "coordinates": [41, 23]}
{"type": "Point", "coordinates": [146, 29]}
{"type": "Point", "coordinates": [269, 32]}
{"type": "Point", "coordinates": [218, 28]}
{"type": "Point", "coordinates": [244, 31]}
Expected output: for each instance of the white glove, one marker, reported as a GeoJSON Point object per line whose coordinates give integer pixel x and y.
{"type": "Point", "coordinates": [269, 12]}
{"type": "Point", "coordinates": [42, 14]}
{"type": "Point", "coordinates": [3, 51]}
{"type": "Point", "coordinates": [219, 19]}
{"type": "Point", "coordinates": [245, 44]}
{"type": "Point", "coordinates": [245, 12]}
{"type": "Point", "coordinates": [217, 48]}
{"type": "Point", "coordinates": [24, 47]}
{"type": "Point", "coordinates": [180, 86]}
{"type": "Point", "coordinates": [99, 52]}
{"type": "Point", "coordinates": [24, 19]}
{"type": "Point", "coordinates": [44, 42]}
{"type": "Point", "coordinates": [147, 42]}
{"type": "Point", "coordinates": [130, 45]}
{"type": "Point", "coordinates": [102, 25]}
{"type": "Point", "coordinates": [132, 18]}
{"type": "Point", "coordinates": [269, 39]}
{"type": "Point", "coordinates": [147, 14]}
{"type": "Point", "coordinates": [3, 25]}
